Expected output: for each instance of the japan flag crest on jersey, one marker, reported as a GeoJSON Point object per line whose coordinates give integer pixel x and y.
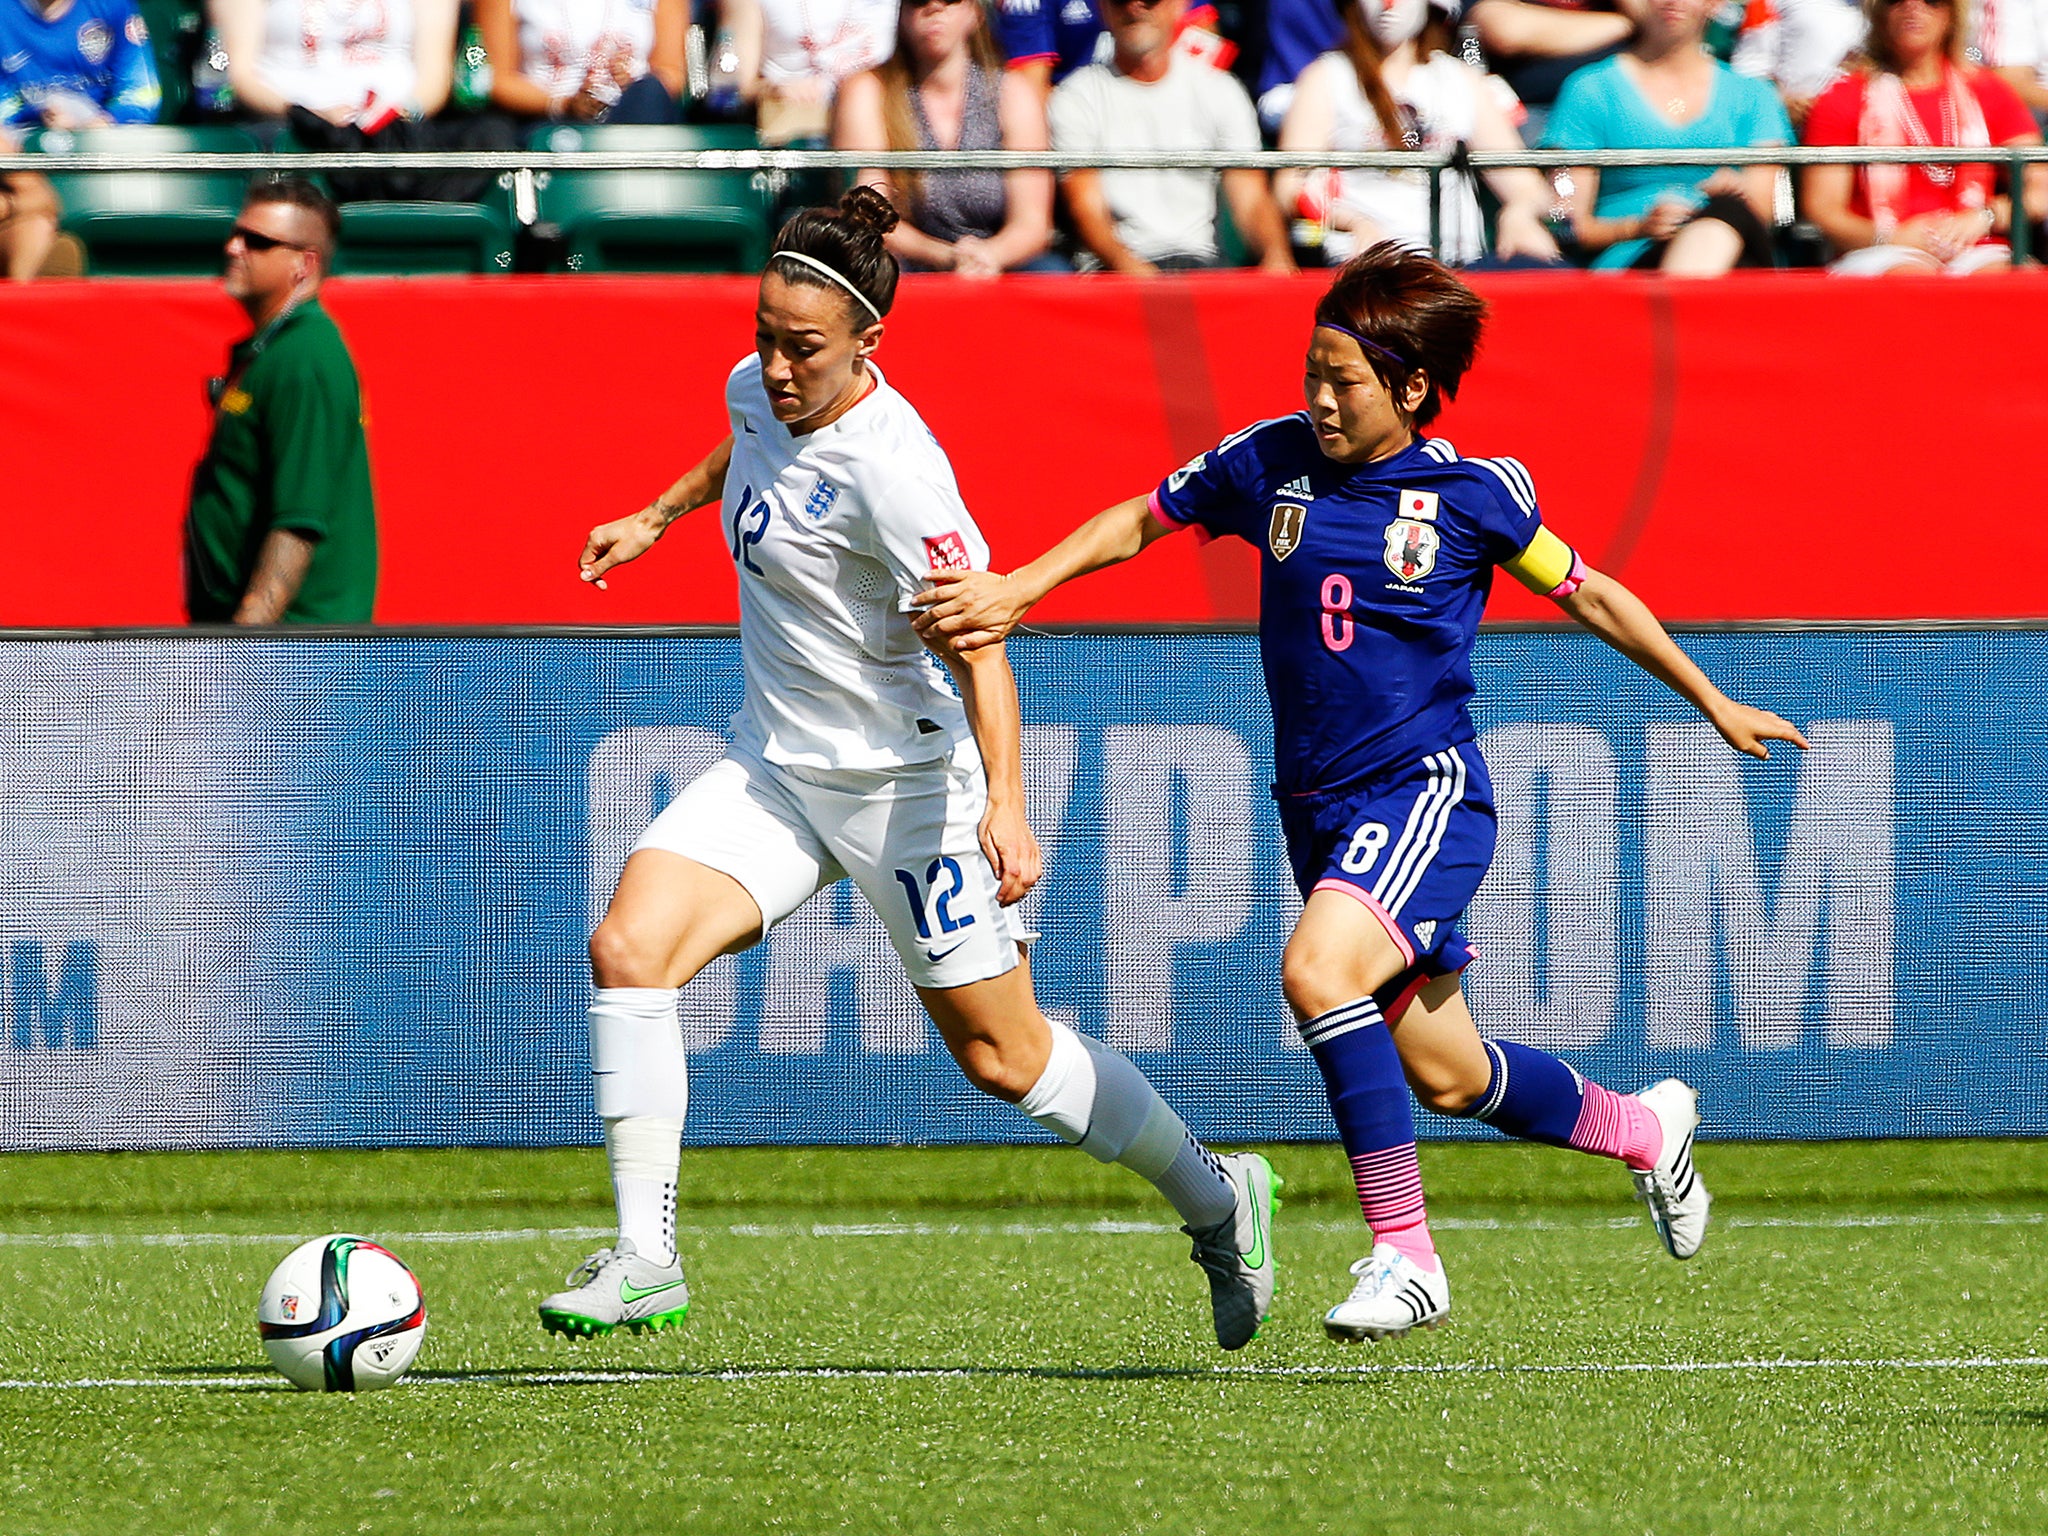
{"type": "Point", "coordinates": [948, 552]}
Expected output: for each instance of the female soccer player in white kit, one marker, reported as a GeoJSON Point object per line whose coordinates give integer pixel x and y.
{"type": "Point", "coordinates": [852, 757]}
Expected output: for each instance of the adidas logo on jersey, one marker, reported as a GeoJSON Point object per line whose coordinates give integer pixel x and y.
{"type": "Point", "coordinates": [1296, 489]}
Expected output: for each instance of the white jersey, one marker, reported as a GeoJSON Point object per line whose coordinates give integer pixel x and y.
{"type": "Point", "coordinates": [1443, 92]}
{"type": "Point", "coordinates": [322, 54]}
{"type": "Point", "coordinates": [831, 532]}
{"type": "Point", "coordinates": [825, 40]}
{"type": "Point", "coordinates": [561, 42]}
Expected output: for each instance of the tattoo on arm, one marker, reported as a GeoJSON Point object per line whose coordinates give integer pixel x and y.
{"type": "Point", "coordinates": [281, 567]}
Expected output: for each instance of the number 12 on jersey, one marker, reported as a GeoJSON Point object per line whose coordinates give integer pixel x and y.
{"type": "Point", "coordinates": [915, 895]}
{"type": "Point", "coordinates": [749, 527]}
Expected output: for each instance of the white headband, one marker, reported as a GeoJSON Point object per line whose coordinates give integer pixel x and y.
{"type": "Point", "coordinates": [818, 266]}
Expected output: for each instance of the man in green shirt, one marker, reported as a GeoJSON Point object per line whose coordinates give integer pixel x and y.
{"type": "Point", "coordinates": [281, 528]}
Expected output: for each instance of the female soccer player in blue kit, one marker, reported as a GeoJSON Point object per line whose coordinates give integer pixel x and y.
{"type": "Point", "coordinates": [1377, 552]}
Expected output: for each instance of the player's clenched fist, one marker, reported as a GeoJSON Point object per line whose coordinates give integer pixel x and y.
{"type": "Point", "coordinates": [1013, 852]}
{"type": "Point", "coordinates": [614, 543]}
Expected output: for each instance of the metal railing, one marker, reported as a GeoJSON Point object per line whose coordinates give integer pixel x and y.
{"type": "Point", "coordinates": [782, 162]}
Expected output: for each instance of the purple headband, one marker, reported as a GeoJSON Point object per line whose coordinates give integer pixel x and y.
{"type": "Point", "coordinates": [1369, 344]}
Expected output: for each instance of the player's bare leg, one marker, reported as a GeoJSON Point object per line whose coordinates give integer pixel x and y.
{"type": "Point", "coordinates": [669, 918]}
{"type": "Point", "coordinates": [1090, 1095]}
{"type": "Point", "coordinates": [1530, 1094]}
{"type": "Point", "coordinates": [1339, 955]}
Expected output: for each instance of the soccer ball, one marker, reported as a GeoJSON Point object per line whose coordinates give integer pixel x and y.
{"type": "Point", "coordinates": [341, 1314]}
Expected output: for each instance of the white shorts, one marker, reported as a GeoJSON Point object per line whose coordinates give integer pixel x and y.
{"type": "Point", "coordinates": [1877, 260]}
{"type": "Point", "coordinates": [909, 837]}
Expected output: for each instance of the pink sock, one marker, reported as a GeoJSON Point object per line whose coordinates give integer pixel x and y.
{"type": "Point", "coordinates": [1390, 1194]}
{"type": "Point", "coordinates": [1617, 1125]}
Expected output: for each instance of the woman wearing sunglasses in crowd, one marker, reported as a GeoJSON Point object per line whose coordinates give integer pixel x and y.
{"type": "Point", "coordinates": [1916, 86]}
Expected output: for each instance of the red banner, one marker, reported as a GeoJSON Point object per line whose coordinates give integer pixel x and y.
{"type": "Point", "coordinates": [1756, 447]}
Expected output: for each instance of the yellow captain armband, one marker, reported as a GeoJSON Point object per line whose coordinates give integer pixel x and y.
{"type": "Point", "coordinates": [1549, 567]}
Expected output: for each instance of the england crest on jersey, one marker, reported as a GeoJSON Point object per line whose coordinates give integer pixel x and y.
{"type": "Point", "coordinates": [1411, 548]}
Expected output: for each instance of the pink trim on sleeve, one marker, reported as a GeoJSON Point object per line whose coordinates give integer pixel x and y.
{"type": "Point", "coordinates": [1171, 523]}
{"type": "Point", "coordinates": [1573, 581]}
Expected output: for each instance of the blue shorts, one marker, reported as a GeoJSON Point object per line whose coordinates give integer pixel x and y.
{"type": "Point", "coordinates": [1411, 847]}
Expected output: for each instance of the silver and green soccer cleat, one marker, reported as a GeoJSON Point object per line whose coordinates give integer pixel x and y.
{"type": "Point", "coordinates": [1237, 1252]}
{"type": "Point", "coordinates": [616, 1288]}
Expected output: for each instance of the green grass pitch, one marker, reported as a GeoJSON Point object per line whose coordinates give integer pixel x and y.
{"type": "Point", "coordinates": [995, 1340]}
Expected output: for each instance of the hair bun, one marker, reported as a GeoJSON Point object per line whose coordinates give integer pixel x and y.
{"type": "Point", "coordinates": [866, 208]}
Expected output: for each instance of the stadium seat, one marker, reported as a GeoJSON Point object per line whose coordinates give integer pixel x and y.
{"type": "Point", "coordinates": [427, 237]}
{"type": "Point", "coordinates": [655, 221]}
{"type": "Point", "coordinates": [381, 235]}
{"type": "Point", "coordinates": [148, 223]}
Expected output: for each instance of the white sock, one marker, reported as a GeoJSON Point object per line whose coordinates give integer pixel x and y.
{"type": "Point", "coordinates": [644, 1152]}
{"type": "Point", "coordinates": [1094, 1097]}
{"type": "Point", "coordinates": [642, 1080]}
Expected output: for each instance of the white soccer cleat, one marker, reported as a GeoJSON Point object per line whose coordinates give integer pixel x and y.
{"type": "Point", "coordinates": [1673, 1189]}
{"type": "Point", "coordinates": [616, 1288]}
{"type": "Point", "coordinates": [1237, 1252]}
{"type": "Point", "coordinates": [1393, 1295]}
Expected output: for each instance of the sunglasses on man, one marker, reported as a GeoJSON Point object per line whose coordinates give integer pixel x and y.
{"type": "Point", "coordinates": [256, 240]}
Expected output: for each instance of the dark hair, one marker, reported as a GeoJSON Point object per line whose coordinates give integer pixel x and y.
{"type": "Point", "coordinates": [300, 193]}
{"type": "Point", "coordinates": [1413, 308]}
{"type": "Point", "coordinates": [849, 241]}
{"type": "Point", "coordinates": [1881, 55]}
{"type": "Point", "coordinates": [1400, 128]}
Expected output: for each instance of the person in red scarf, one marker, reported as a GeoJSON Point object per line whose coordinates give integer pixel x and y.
{"type": "Point", "coordinates": [1916, 87]}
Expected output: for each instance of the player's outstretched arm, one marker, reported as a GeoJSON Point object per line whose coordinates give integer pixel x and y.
{"type": "Point", "coordinates": [628, 538]}
{"type": "Point", "coordinates": [989, 690]}
{"type": "Point", "coordinates": [971, 609]}
{"type": "Point", "coordinates": [1624, 621]}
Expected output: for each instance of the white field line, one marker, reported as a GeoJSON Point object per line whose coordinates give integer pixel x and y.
{"type": "Point", "coordinates": [898, 1229]}
{"type": "Point", "coordinates": [544, 1378]}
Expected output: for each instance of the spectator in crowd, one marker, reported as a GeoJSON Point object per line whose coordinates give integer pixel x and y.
{"type": "Point", "coordinates": [75, 64]}
{"type": "Point", "coordinates": [1395, 85]}
{"type": "Point", "coordinates": [280, 528]}
{"type": "Point", "coordinates": [2011, 36]}
{"type": "Point", "coordinates": [1797, 45]}
{"type": "Point", "coordinates": [1665, 91]}
{"type": "Point", "coordinates": [1149, 96]}
{"type": "Point", "coordinates": [350, 75]}
{"type": "Point", "coordinates": [1536, 45]}
{"type": "Point", "coordinates": [1298, 32]}
{"type": "Point", "coordinates": [583, 61]}
{"type": "Point", "coordinates": [30, 244]}
{"type": "Point", "coordinates": [793, 54]}
{"type": "Point", "coordinates": [1916, 87]}
{"type": "Point", "coordinates": [945, 88]}
{"type": "Point", "coordinates": [1047, 40]}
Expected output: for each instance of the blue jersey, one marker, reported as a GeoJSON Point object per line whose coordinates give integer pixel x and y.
{"type": "Point", "coordinates": [1063, 33]}
{"type": "Point", "coordinates": [94, 49]}
{"type": "Point", "coordinates": [1372, 580]}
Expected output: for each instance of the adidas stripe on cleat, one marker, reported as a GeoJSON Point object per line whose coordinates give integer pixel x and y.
{"type": "Point", "coordinates": [1673, 1190]}
{"type": "Point", "coordinates": [616, 1288]}
{"type": "Point", "coordinates": [1393, 1295]}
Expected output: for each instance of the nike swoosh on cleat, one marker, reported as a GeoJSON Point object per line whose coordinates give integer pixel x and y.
{"type": "Point", "coordinates": [1255, 1256]}
{"type": "Point", "coordinates": [629, 1292]}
